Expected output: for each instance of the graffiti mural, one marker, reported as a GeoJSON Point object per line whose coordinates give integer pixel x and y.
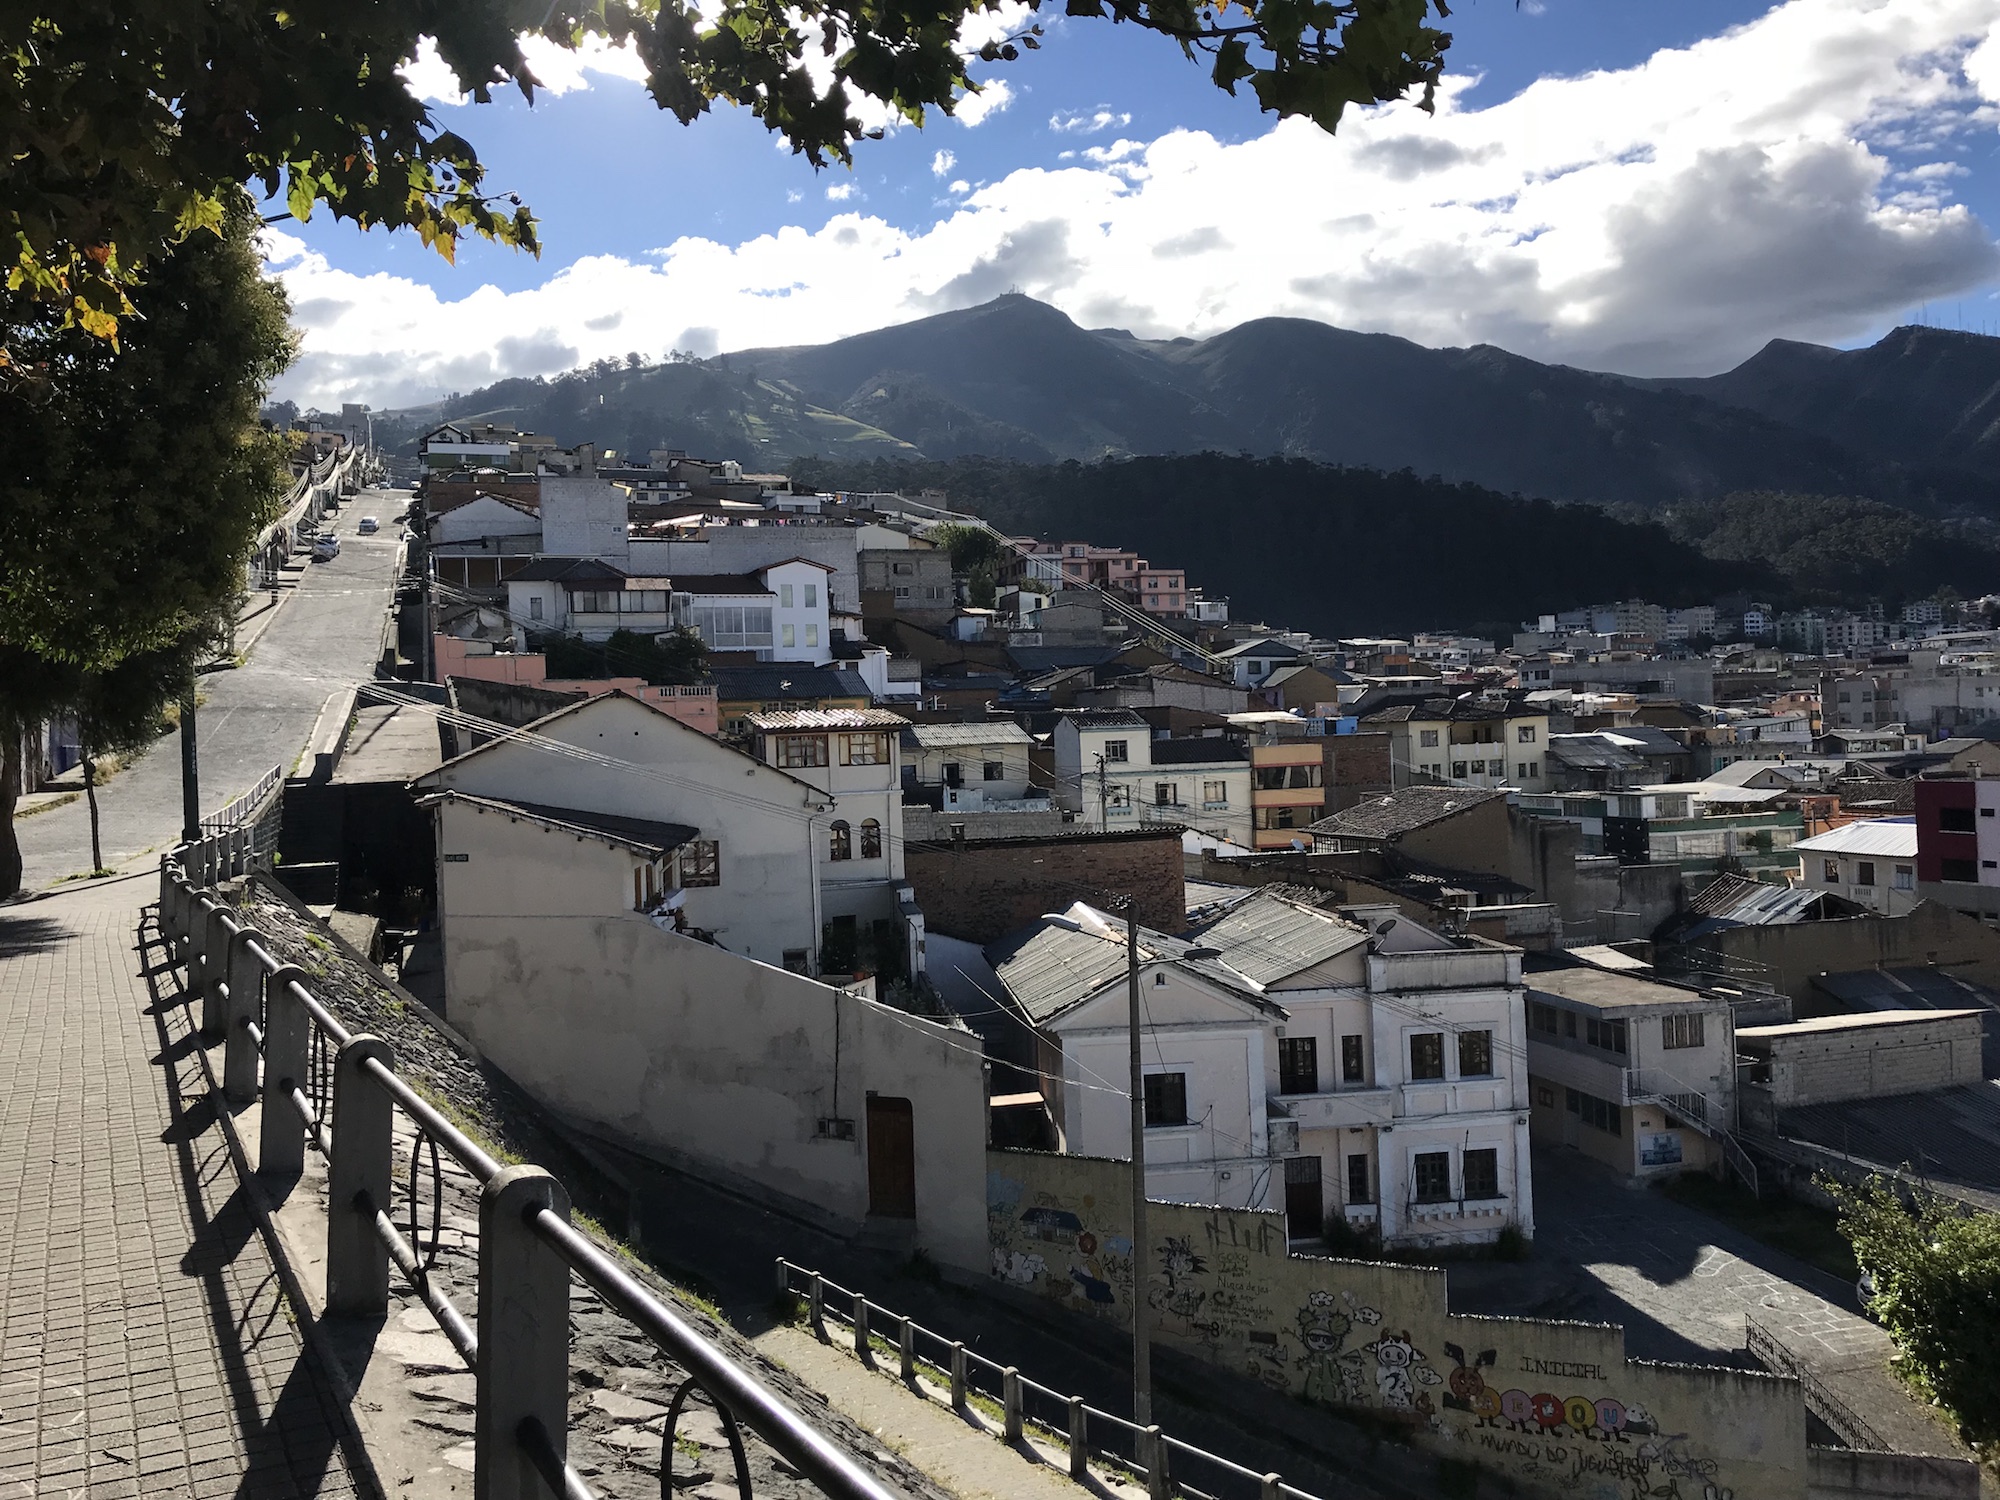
{"type": "Point", "coordinates": [1555, 1407]}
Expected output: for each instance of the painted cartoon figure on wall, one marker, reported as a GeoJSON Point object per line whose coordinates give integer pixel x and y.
{"type": "Point", "coordinates": [1323, 1330]}
{"type": "Point", "coordinates": [1468, 1390]}
{"type": "Point", "coordinates": [1179, 1265]}
{"type": "Point", "coordinates": [1400, 1367]}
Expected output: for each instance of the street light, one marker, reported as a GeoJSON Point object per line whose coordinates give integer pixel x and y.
{"type": "Point", "coordinates": [1142, 1345]}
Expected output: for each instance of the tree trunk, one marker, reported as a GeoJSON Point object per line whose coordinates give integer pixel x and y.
{"type": "Point", "coordinates": [90, 796]}
{"type": "Point", "coordinates": [10, 794]}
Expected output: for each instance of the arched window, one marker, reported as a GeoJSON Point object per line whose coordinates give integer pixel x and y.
{"type": "Point", "coordinates": [871, 840]}
{"type": "Point", "coordinates": [840, 842]}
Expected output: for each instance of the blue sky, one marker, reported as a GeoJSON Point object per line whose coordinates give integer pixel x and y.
{"type": "Point", "coordinates": [1874, 180]}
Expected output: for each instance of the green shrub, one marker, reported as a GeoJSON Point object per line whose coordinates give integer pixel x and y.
{"type": "Point", "coordinates": [1936, 1266]}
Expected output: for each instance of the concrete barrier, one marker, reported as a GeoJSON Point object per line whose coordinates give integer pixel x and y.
{"type": "Point", "coordinates": [1852, 1474]}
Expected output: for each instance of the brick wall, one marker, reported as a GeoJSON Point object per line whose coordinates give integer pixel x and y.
{"type": "Point", "coordinates": [984, 888]}
{"type": "Point", "coordinates": [1356, 765]}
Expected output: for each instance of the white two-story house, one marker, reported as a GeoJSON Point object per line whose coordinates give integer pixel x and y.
{"type": "Point", "coordinates": [853, 758]}
{"type": "Point", "coordinates": [1396, 1085]}
{"type": "Point", "coordinates": [1114, 775]}
{"type": "Point", "coordinates": [778, 613]}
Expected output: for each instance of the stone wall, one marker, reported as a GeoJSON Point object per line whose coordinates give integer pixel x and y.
{"type": "Point", "coordinates": [1548, 1405]}
{"type": "Point", "coordinates": [1870, 1058]}
{"type": "Point", "coordinates": [983, 888]}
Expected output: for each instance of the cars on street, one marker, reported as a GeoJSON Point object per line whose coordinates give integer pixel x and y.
{"type": "Point", "coordinates": [369, 526]}
{"type": "Point", "coordinates": [326, 548]}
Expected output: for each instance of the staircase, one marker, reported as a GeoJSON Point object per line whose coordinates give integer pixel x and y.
{"type": "Point", "coordinates": [1688, 1106]}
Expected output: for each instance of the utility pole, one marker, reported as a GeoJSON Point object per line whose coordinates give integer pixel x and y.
{"type": "Point", "coordinates": [1142, 1346]}
{"type": "Point", "coordinates": [190, 770]}
{"type": "Point", "coordinates": [1103, 796]}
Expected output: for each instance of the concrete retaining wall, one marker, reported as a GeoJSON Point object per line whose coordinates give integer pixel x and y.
{"type": "Point", "coordinates": [1846, 1474]}
{"type": "Point", "coordinates": [1549, 1405]}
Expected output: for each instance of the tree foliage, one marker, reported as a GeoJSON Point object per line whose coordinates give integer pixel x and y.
{"type": "Point", "coordinates": [676, 656]}
{"type": "Point", "coordinates": [1936, 1266]}
{"type": "Point", "coordinates": [128, 127]}
{"type": "Point", "coordinates": [136, 481]}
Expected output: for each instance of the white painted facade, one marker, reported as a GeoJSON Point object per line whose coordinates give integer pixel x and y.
{"type": "Point", "coordinates": [768, 826]}
{"type": "Point", "coordinates": [1105, 774]}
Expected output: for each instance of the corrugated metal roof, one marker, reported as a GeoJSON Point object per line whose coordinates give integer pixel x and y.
{"type": "Point", "coordinates": [1063, 960]}
{"type": "Point", "coordinates": [828, 718]}
{"type": "Point", "coordinates": [996, 732]}
{"type": "Point", "coordinates": [1267, 938]}
{"type": "Point", "coordinates": [1892, 838]}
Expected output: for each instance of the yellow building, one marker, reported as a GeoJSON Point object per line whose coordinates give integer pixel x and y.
{"type": "Point", "coordinates": [1287, 790]}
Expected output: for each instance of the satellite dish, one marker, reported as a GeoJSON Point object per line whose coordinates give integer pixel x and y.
{"type": "Point", "coordinates": [1382, 930]}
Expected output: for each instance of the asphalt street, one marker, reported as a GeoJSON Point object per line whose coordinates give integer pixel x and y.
{"type": "Point", "coordinates": [326, 636]}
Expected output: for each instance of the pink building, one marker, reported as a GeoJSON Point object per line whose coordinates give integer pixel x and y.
{"type": "Point", "coordinates": [692, 706]}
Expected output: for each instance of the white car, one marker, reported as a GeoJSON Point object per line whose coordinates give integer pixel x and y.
{"type": "Point", "coordinates": [369, 526]}
{"type": "Point", "coordinates": [326, 548]}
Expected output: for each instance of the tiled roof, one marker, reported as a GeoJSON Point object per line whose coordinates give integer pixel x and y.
{"type": "Point", "coordinates": [1104, 718]}
{"type": "Point", "coordinates": [1398, 813]}
{"type": "Point", "coordinates": [1268, 938]}
{"type": "Point", "coordinates": [947, 736]}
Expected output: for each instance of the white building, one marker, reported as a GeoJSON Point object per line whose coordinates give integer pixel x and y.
{"type": "Point", "coordinates": [748, 871]}
{"type": "Point", "coordinates": [779, 613]}
{"type": "Point", "coordinates": [1396, 1080]}
{"type": "Point", "coordinates": [1114, 775]}
{"type": "Point", "coordinates": [1873, 861]}
{"type": "Point", "coordinates": [979, 767]}
{"type": "Point", "coordinates": [1335, 1066]}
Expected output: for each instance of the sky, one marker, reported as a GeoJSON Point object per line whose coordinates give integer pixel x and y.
{"type": "Point", "coordinates": [1653, 188]}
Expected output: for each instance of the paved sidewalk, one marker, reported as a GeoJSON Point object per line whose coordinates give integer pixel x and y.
{"type": "Point", "coordinates": [144, 1347]}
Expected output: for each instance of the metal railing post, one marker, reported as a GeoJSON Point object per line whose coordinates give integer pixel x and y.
{"type": "Point", "coordinates": [957, 1376]}
{"type": "Point", "coordinates": [816, 1304]}
{"type": "Point", "coordinates": [359, 1181]}
{"type": "Point", "coordinates": [281, 1141]}
{"type": "Point", "coordinates": [1158, 1485]}
{"type": "Point", "coordinates": [173, 909]}
{"type": "Point", "coordinates": [220, 927]}
{"type": "Point", "coordinates": [246, 1005]}
{"type": "Point", "coordinates": [167, 871]}
{"type": "Point", "coordinates": [1268, 1488]}
{"type": "Point", "coordinates": [1079, 1439]}
{"type": "Point", "coordinates": [1010, 1402]}
{"type": "Point", "coordinates": [908, 1349]}
{"type": "Point", "coordinates": [523, 1364]}
{"type": "Point", "coordinates": [861, 1330]}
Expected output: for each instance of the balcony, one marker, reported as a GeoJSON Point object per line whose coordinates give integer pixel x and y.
{"type": "Point", "coordinates": [1471, 1213]}
{"type": "Point", "coordinates": [1340, 1109]}
{"type": "Point", "coordinates": [1455, 1096]}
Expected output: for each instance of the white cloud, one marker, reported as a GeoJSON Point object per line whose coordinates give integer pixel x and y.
{"type": "Point", "coordinates": [1088, 122]}
{"type": "Point", "coordinates": [994, 95]}
{"type": "Point", "coordinates": [959, 185]}
{"type": "Point", "coordinates": [839, 192]}
{"type": "Point", "coordinates": [942, 163]}
{"type": "Point", "coordinates": [1780, 179]}
{"type": "Point", "coordinates": [558, 70]}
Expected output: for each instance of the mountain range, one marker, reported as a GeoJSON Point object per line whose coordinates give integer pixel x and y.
{"type": "Point", "coordinates": [1913, 420]}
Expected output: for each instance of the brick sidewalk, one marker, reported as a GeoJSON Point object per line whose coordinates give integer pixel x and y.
{"type": "Point", "coordinates": [144, 1345]}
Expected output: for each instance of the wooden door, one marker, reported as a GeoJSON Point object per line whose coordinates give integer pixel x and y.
{"type": "Point", "coordinates": [1305, 1210]}
{"type": "Point", "coordinates": [892, 1158]}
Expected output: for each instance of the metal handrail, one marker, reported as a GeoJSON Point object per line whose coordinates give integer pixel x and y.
{"type": "Point", "coordinates": [736, 1393]}
{"type": "Point", "coordinates": [1765, 1347]}
{"type": "Point", "coordinates": [1151, 1446]}
{"type": "Point", "coordinates": [230, 814]}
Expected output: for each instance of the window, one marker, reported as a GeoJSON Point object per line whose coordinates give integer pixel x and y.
{"type": "Point", "coordinates": [1427, 1054]}
{"type": "Point", "coordinates": [784, 596]}
{"type": "Point", "coordinates": [1215, 794]}
{"type": "Point", "coordinates": [840, 841]}
{"type": "Point", "coordinates": [1599, 1114]}
{"type": "Point", "coordinates": [535, 607]}
{"type": "Point", "coordinates": [1545, 1096]}
{"type": "Point", "coordinates": [1569, 1023]}
{"type": "Point", "coordinates": [798, 960]}
{"type": "Point", "coordinates": [1427, 738]}
{"type": "Point", "coordinates": [996, 770]}
{"type": "Point", "coordinates": [1609, 1035]}
{"type": "Point", "coordinates": [1956, 820]}
{"type": "Point", "coordinates": [1298, 1065]}
{"type": "Point", "coordinates": [1542, 1018]}
{"type": "Point", "coordinates": [1458, 768]}
{"type": "Point", "coordinates": [1304, 776]}
{"type": "Point", "coordinates": [1475, 1054]}
{"type": "Point", "coordinates": [796, 750]}
{"type": "Point", "coordinates": [733, 627]}
{"type": "Point", "coordinates": [812, 635]}
{"type": "Point", "coordinates": [902, 591]}
{"type": "Point", "coordinates": [1350, 1060]}
{"type": "Point", "coordinates": [701, 863]}
{"type": "Point", "coordinates": [1357, 1179]}
{"type": "Point", "coordinates": [1831, 869]}
{"type": "Point", "coordinates": [1479, 767]}
{"type": "Point", "coordinates": [1280, 817]}
{"type": "Point", "coordinates": [864, 750]}
{"type": "Point", "coordinates": [1864, 872]}
{"type": "Point", "coordinates": [1683, 1031]}
{"type": "Point", "coordinates": [1534, 768]}
{"type": "Point", "coordinates": [787, 635]}
{"type": "Point", "coordinates": [871, 839]}
{"type": "Point", "coordinates": [1524, 734]}
{"type": "Point", "coordinates": [1166, 1098]}
{"type": "Point", "coordinates": [903, 569]}
{"type": "Point", "coordinates": [812, 596]}
{"type": "Point", "coordinates": [1433, 1175]}
{"type": "Point", "coordinates": [952, 775]}
{"type": "Point", "coordinates": [1115, 750]}
{"type": "Point", "coordinates": [1118, 799]}
{"type": "Point", "coordinates": [1905, 878]}
{"type": "Point", "coordinates": [1958, 869]}
{"type": "Point", "coordinates": [1482, 1173]}
{"type": "Point", "coordinates": [1521, 770]}
{"type": "Point", "coordinates": [1166, 794]}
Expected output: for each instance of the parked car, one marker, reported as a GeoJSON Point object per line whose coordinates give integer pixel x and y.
{"type": "Point", "coordinates": [369, 526]}
{"type": "Point", "coordinates": [326, 548]}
